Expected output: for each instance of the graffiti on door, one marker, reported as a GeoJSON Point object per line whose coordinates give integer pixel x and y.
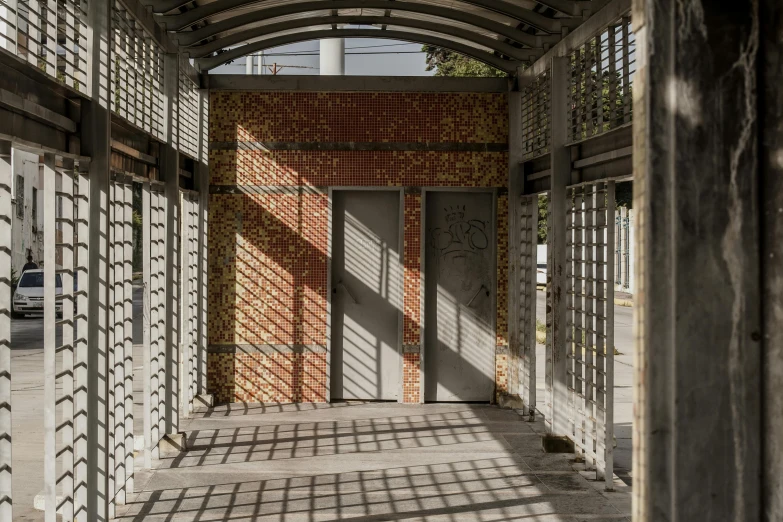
{"type": "Point", "coordinates": [461, 247]}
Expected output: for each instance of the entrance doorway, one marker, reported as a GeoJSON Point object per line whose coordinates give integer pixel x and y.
{"type": "Point", "coordinates": [366, 295]}
{"type": "Point", "coordinates": [460, 268]}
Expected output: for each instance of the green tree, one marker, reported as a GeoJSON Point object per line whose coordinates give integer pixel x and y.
{"type": "Point", "coordinates": [450, 63]}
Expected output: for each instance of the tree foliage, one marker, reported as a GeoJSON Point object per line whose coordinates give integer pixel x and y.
{"type": "Point", "coordinates": [449, 63]}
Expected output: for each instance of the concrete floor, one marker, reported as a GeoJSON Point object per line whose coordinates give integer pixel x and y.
{"type": "Point", "coordinates": [27, 404]}
{"type": "Point", "coordinates": [369, 461]}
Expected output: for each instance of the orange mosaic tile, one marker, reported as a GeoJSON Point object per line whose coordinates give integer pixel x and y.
{"type": "Point", "coordinates": [358, 117]}
{"type": "Point", "coordinates": [268, 258]}
{"type": "Point", "coordinates": [357, 168]}
{"type": "Point", "coordinates": [502, 268]}
{"type": "Point", "coordinates": [411, 331]}
{"type": "Point", "coordinates": [411, 379]}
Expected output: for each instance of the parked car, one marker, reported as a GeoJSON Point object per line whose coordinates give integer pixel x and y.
{"type": "Point", "coordinates": [28, 297]}
{"type": "Point", "coordinates": [541, 274]}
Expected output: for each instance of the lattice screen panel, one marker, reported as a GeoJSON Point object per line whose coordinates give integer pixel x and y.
{"type": "Point", "coordinates": [65, 211]}
{"type": "Point", "coordinates": [154, 255]}
{"type": "Point", "coordinates": [548, 373]}
{"type": "Point", "coordinates": [137, 74]}
{"type": "Point", "coordinates": [590, 324]}
{"type": "Point", "coordinates": [189, 300]}
{"type": "Point", "coordinates": [121, 335]}
{"type": "Point", "coordinates": [50, 35]}
{"type": "Point", "coordinates": [188, 116]}
{"type": "Point", "coordinates": [601, 81]}
{"type": "Point", "coordinates": [526, 303]}
{"type": "Point", "coordinates": [536, 116]}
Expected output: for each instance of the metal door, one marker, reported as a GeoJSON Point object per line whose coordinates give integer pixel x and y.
{"type": "Point", "coordinates": [459, 296]}
{"type": "Point", "coordinates": [366, 295]}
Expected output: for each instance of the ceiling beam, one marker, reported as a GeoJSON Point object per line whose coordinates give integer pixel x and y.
{"type": "Point", "coordinates": [164, 6]}
{"type": "Point", "coordinates": [188, 38]}
{"type": "Point", "coordinates": [206, 64]}
{"type": "Point", "coordinates": [257, 32]}
{"type": "Point", "coordinates": [177, 22]}
{"type": "Point", "coordinates": [610, 13]}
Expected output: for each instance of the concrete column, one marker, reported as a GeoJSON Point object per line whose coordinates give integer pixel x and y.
{"type": "Point", "coordinates": [49, 340]}
{"type": "Point", "coordinates": [249, 64]}
{"type": "Point", "coordinates": [771, 191]}
{"type": "Point", "coordinates": [697, 436]}
{"type": "Point", "coordinates": [333, 56]}
{"type": "Point", "coordinates": [515, 182]}
{"type": "Point", "coordinates": [92, 491]}
{"type": "Point", "coordinates": [170, 174]}
{"type": "Point", "coordinates": [560, 178]}
{"type": "Point", "coordinates": [6, 175]}
{"type": "Point", "coordinates": [202, 185]}
{"type": "Point", "coordinates": [260, 63]}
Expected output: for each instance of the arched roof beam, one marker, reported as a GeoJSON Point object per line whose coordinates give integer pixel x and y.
{"type": "Point", "coordinates": [177, 22]}
{"type": "Point", "coordinates": [209, 63]}
{"type": "Point", "coordinates": [189, 38]}
{"type": "Point", "coordinates": [164, 6]}
{"type": "Point", "coordinates": [257, 32]}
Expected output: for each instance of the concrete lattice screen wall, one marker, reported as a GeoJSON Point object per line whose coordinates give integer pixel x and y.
{"type": "Point", "coordinates": [273, 156]}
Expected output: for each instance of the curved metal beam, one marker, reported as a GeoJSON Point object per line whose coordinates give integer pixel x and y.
{"type": "Point", "coordinates": [184, 20]}
{"type": "Point", "coordinates": [243, 36]}
{"type": "Point", "coordinates": [206, 64]}
{"type": "Point", "coordinates": [164, 6]}
{"type": "Point", "coordinates": [192, 37]}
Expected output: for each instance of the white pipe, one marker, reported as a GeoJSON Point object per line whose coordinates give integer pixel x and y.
{"type": "Point", "coordinates": [333, 56]}
{"type": "Point", "coordinates": [260, 62]}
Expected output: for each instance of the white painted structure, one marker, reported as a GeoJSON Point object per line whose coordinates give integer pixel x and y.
{"type": "Point", "coordinates": [26, 187]}
{"type": "Point", "coordinates": [333, 57]}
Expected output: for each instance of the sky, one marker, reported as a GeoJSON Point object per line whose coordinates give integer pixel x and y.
{"type": "Point", "coordinates": [388, 58]}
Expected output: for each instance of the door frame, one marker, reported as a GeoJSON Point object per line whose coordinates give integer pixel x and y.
{"type": "Point", "coordinates": [422, 269]}
{"type": "Point", "coordinates": [329, 259]}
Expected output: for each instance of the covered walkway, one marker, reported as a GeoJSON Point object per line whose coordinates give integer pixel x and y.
{"type": "Point", "coordinates": [306, 241]}
{"type": "Point", "coordinates": [370, 461]}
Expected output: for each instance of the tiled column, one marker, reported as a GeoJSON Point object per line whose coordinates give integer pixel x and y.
{"type": "Point", "coordinates": [501, 323]}
{"type": "Point", "coordinates": [412, 304]}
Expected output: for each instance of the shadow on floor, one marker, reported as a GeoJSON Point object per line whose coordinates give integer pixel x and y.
{"type": "Point", "coordinates": [374, 461]}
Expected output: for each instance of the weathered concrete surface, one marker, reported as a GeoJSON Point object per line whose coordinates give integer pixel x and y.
{"type": "Point", "coordinates": [369, 461]}
{"type": "Point", "coordinates": [698, 395]}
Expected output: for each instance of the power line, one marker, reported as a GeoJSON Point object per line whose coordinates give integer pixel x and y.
{"type": "Point", "coordinates": [305, 53]}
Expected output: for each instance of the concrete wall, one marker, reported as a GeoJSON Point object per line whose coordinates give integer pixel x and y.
{"type": "Point", "coordinates": [273, 157]}
{"type": "Point", "coordinates": [26, 234]}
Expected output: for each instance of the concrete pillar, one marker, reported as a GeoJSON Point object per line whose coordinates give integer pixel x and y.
{"type": "Point", "coordinates": [771, 208]}
{"type": "Point", "coordinates": [202, 185]}
{"type": "Point", "coordinates": [249, 64]}
{"type": "Point", "coordinates": [698, 396]}
{"type": "Point", "coordinates": [560, 178]}
{"type": "Point", "coordinates": [91, 454]}
{"type": "Point", "coordinates": [333, 56]}
{"type": "Point", "coordinates": [6, 175]}
{"type": "Point", "coordinates": [515, 188]}
{"type": "Point", "coordinates": [260, 63]}
{"type": "Point", "coordinates": [170, 174]}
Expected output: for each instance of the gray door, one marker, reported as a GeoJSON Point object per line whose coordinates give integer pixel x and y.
{"type": "Point", "coordinates": [459, 296]}
{"type": "Point", "coordinates": [366, 295]}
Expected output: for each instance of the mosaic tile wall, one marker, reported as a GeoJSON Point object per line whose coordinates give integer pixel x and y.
{"type": "Point", "coordinates": [357, 168]}
{"type": "Point", "coordinates": [359, 117]}
{"type": "Point", "coordinates": [267, 256]}
{"type": "Point", "coordinates": [256, 377]}
{"type": "Point", "coordinates": [411, 331]}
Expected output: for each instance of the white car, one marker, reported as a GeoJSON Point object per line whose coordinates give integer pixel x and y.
{"type": "Point", "coordinates": [541, 274]}
{"type": "Point", "coordinates": [28, 297]}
